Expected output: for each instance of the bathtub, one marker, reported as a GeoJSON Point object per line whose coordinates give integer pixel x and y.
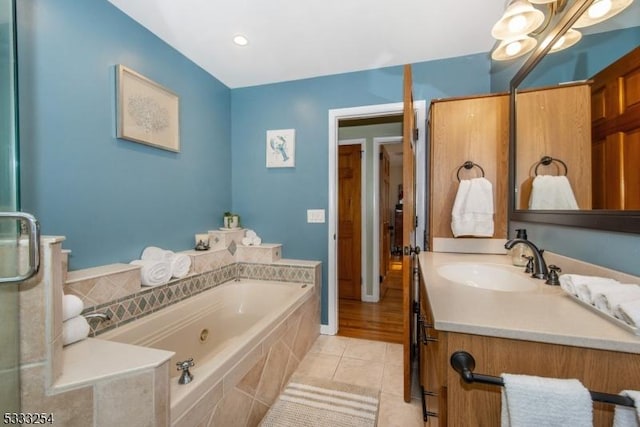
{"type": "Point", "coordinates": [218, 329]}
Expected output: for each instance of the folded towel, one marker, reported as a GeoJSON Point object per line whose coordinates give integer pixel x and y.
{"type": "Point", "coordinates": [472, 213]}
{"type": "Point", "coordinates": [153, 272]}
{"type": "Point", "coordinates": [180, 265]}
{"type": "Point", "coordinates": [72, 306]}
{"type": "Point", "coordinates": [608, 300]}
{"type": "Point", "coordinates": [570, 282]}
{"type": "Point", "coordinates": [587, 291]}
{"type": "Point", "coordinates": [75, 329]}
{"type": "Point", "coordinates": [552, 192]}
{"type": "Point", "coordinates": [251, 239]}
{"type": "Point", "coordinates": [630, 312]}
{"type": "Point", "coordinates": [625, 416]}
{"type": "Point", "coordinates": [529, 401]}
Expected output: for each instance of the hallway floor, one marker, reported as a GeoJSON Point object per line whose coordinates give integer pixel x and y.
{"type": "Point", "coordinates": [381, 321]}
{"type": "Point", "coordinates": [366, 363]}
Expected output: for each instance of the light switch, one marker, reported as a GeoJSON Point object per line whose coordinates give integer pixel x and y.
{"type": "Point", "coordinates": [315, 215]}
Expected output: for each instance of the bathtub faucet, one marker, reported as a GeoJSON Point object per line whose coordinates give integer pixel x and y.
{"type": "Point", "coordinates": [186, 376]}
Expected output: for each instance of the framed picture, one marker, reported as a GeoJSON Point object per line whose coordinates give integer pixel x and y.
{"type": "Point", "coordinates": [146, 112]}
{"type": "Point", "coordinates": [281, 148]}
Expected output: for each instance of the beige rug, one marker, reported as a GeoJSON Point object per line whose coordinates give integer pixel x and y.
{"type": "Point", "coordinates": [314, 402]}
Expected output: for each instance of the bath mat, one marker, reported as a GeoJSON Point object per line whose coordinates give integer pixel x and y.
{"type": "Point", "coordinates": [315, 402]}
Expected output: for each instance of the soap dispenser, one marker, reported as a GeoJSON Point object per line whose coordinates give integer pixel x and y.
{"type": "Point", "coordinates": [520, 251]}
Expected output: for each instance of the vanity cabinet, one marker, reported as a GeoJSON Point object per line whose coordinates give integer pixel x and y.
{"type": "Point", "coordinates": [461, 404]}
{"type": "Point", "coordinates": [472, 129]}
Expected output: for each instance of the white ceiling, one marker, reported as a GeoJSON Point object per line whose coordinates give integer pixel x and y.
{"type": "Point", "coordinates": [296, 39]}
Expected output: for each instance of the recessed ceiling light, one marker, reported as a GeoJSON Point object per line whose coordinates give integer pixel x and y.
{"type": "Point", "coordinates": [240, 40]}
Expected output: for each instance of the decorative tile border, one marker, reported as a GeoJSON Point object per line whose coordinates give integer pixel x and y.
{"type": "Point", "coordinates": [149, 300]}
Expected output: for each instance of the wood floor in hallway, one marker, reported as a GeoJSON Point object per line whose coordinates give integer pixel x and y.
{"type": "Point", "coordinates": [381, 321]}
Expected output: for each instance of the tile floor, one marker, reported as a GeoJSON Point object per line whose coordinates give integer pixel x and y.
{"type": "Point", "coordinates": [366, 363]}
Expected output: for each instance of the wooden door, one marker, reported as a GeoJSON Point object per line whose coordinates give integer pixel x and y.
{"type": "Point", "coordinates": [349, 222]}
{"type": "Point", "coordinates": [408, 226]}
{"type": "Point", "coordinates": [385, 215]}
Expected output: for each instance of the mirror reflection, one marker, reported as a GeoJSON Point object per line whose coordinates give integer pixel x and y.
{"type": "Point", "coordinates": [578, 122]}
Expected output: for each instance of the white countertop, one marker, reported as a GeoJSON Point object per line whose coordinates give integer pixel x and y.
{"type": "Point", "coordinates": [544, 315]}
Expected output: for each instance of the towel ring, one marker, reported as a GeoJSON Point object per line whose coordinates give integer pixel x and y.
{"type": "Point", "coordinates": [547, 160]}
{"type": "Point", "coordinates": [468, 165]}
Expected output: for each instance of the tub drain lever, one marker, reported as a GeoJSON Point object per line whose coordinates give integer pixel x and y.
{"type": "Point", "coordinates": [186, 376]}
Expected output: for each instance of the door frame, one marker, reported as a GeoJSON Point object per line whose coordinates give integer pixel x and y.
{"type": "Point", "coordinates": [420, 108]}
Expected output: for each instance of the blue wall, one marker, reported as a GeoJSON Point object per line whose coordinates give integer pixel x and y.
{"type": "Point", "coordinates": [112, 197]}
{"type": "Point", "coordinates": [274, 201]}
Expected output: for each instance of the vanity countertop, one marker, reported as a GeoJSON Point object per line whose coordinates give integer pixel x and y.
{"type": "Point", "coordinates": [544, 315]}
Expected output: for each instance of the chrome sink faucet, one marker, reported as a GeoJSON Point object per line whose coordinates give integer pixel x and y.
{"type": "Point", "coordinates": [540, 270]}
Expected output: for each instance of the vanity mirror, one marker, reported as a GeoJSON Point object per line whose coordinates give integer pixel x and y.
{"type": "Point", "coordinates": [572, 70]}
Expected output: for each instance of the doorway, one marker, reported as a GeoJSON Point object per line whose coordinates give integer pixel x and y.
{"type": "Point", "coordinates": [369, 304]}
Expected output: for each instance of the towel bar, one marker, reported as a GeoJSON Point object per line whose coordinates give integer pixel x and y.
{"type": "Point", "coordinates": [464, 363]}
{"type": "Point", "coordinates": [547, 160]}
{"type": "Point", "coordinates": [469, 165]}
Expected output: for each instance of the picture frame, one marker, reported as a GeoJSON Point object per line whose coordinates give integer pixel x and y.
{"type": "Point", "coordinates": [281, 148]}
{"type": "Point", "coordinates": [146, 112]}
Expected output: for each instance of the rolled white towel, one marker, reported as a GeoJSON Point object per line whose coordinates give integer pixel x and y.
{"type": "Point", "coordinates": [75, 329]}
{"type": "Point", "coordinates": [570, 282]}
{"type": "Point", "coordinates": [180, 265]}
{"type": "Point", "coordinates": [630, 312]}
{"type": "Point", "coordinates": [153, 272]}
{"type": "Point", "coordinates": [156, 253]}
{"type": "Point", "coordinates": [607, 300]}
{"type": "Point", "coordinates": [72, 306]}
{"type": "Point", "coordinates": [247, 241]}
{"type": "Point", "coordinates": [257, 241]}
{"type": "Point", "coordinates": [588, 291]}
{"type": "Point", "coordinates": [625, 416]}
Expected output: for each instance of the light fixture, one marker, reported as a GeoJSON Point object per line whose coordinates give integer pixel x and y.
{"type": "Point", "coordinates": [513, 48]}
{"type": "Point", "coordinates": [519, 19]}
{"type": "Point", "coordinates": [240, 40]}
{"type": "Point", "coordinates": [567, 40]}
{"type": "Point", "coordinates": [601, 10]}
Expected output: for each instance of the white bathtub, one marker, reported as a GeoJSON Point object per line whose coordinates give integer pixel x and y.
{"type": "Point", "coordinates": [216, 328]}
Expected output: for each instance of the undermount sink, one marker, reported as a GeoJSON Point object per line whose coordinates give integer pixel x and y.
{"type": "Point", "coordinates": [494, 277]}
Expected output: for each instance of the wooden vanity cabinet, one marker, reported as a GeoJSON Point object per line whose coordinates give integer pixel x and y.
{"type": "Point", "coordinates": [461, 405]}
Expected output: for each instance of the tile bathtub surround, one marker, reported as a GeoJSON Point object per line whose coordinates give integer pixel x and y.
{"type": "Point", "coordinates": [98, 285]}
{"type": "Point", "coordinates": [149, 300]}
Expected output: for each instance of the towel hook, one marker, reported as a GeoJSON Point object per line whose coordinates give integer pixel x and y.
{"type": "Point", "coordinates": [547, 160]}
{"type": "Point", "coordinates": [468, 165]}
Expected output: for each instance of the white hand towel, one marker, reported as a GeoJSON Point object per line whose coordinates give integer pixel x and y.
{"type": "Point", "coordinates": [72, 306]}
{"type": "Point", "coordinates": [552, 192]}
{"type": "Point", "coordinates": [630, 312]}
{"type": "Point", "coordinates": [625, 416]}
{"type": "Point", "coordinates": [180, 265]}
{"type": "Point", "coordinates": [472, 213]}
{"type": "Point", "coordinates": [587, 291]}
{"type": "Point", "coordinates": [529, 401]}
{"type": "Point", "coordinates": [608, 300]}
{"type": "Point", "coordinates": [156, 253]}
{"type": "Point", "coordinates": [569, 282]}
{"type": "Point", "coordinates": [153, 272]}
{"type": "Point", "coordinates": [75, 329]}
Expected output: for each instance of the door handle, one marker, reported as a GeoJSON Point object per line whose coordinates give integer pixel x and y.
{"type": "Point", "coordinates": [33, 228]}
{"type": "Point", "coordinates": [410, 250]}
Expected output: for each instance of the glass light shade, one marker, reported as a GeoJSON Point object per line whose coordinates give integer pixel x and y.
{"type": "Point", "coordinates": [519, 19]}
{"type": "Point", "coordinates": [570, 38]}
{"type": "Point", "coordinates": [513, 48]}
{"type": "Point", "coordinates": [594, 15]}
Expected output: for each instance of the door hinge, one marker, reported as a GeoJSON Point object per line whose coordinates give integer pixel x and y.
{"type": "Point", "coordinates": [416, 307]}
{"type": "Point", "coordinates": [416, 132]}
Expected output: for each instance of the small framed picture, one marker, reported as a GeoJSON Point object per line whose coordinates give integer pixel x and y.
{"type": "Point", "coordinates": [146, 112]}
{"type": "Point", "coordinates": [281, 148]}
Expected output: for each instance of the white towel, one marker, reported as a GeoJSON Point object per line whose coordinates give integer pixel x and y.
{"type": "Point", "coordinates": [552, 192]}
{"type": "Point", "coordinates": [153, 272]}
{"type": "Point", "coordinates": [72, 306]}
{"type": "Point", "coordinates": [630, 312]}
{"type": "Point", "coordinates": [75, 329]}
{"type": "Point", "coordinates": [608, 300]}
{"type": "Point", "coordinates": [472, 213]}
{"type": "Point", "coordinates": [570, 282]}
{"type": "Point", "coordinates": [625, 416]}
{"type": "Point", "coordinates": [180, 263]}
{"type": "Point", "coordinates": [529, 401]}
{"type": "Point", "coordinates": [588, 291]}
{"type": "Point", "coordinates": [251, 239]}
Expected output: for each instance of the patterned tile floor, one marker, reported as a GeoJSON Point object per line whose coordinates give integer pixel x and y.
{"type": "Point", "coordinates": [366, 363]}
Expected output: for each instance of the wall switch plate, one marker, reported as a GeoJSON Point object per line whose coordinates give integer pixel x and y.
{"type": "Point", "coordinates": [315, 215]}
